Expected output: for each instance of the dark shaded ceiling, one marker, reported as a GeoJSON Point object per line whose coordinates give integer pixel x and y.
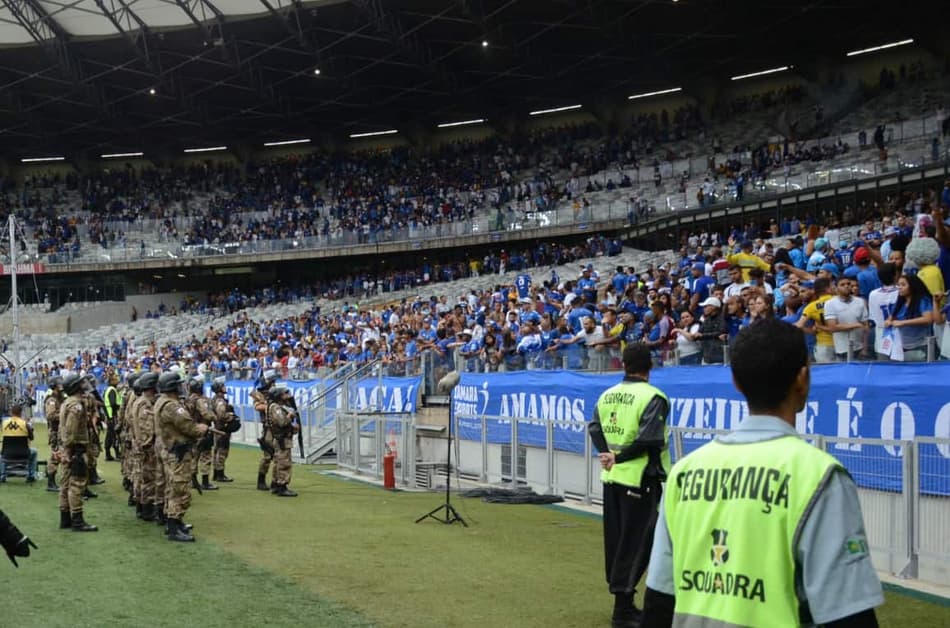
{"type": "Point", "coordinates": [406, 64]}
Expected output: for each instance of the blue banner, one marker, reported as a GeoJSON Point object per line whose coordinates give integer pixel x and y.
{"type": "Point", "coordinates": [393, 394]}
{"type": "Point", "coordinates": [886, 401]}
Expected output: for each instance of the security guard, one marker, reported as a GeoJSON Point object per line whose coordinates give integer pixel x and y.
{"type": "Point", "coordinates": [74, 438]}
{"type": "Point", "coordinates": [282, 418]}
{"type": "Point", "coordinates": [266, 441]}
{"type": "Point", "coordinates": [146, 487]}
{"type": "Point", "coordinates": [54, 398]}
{"type": "Point", "coordinates": [17, 427]}
{"type": "Point", "coordinates": [226, 421]}
{"type": "Point", "coordinates": [759, 528]}
{"type": "Point", "coordinates": [199, 407]}
{"type": "Point", "coordinates": [94, 413]}
{"type": "Point", "coordinates": [113, 403]}
{"type": "Point", "coordinates": [124, 432]}
{"type": "Point", "coordinates": [179, 433]}
{"type": "Point", "coordinates": [630, 433]}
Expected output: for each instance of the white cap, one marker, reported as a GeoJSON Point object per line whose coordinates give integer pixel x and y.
{"type": "Point", "coordinates": [713, 301]}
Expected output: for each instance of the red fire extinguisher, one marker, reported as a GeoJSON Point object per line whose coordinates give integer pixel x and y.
{"type": "Point", "coordinates": [389, 470]}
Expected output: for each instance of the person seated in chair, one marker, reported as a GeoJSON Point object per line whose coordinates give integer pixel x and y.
{"type": "Point", "coordinates": [17, 427]}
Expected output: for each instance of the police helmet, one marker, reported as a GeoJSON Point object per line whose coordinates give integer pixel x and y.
{"type": "Point", "coordinates": [72, 384]}
{"type": "Point", "coordinates": [170, 382]}
{"type": "Point", "coordinates": [130, 379]}
{"type": "Point", "coordinates": [195, 385]}
{"type": "Point", "coordinates": [267, 379]}
{"type": "Point", "coordinates": [218, 385]}
{"type": "Point", "coordinates": [278, 392]}
{"type": "Point", "coordinates": [56, 382]}
{"type": "Point", "coordinates": [148, 381]}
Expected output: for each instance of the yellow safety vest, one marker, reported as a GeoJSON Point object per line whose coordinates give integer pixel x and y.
{"type": "Point", "coordinates": [619, 409]}
{"type": "Point", "coordinates": [15, 426]}
{"type": "Point", "coordinates": [734, 513]}
{"type": "Point", "coordinates": [105, 399]}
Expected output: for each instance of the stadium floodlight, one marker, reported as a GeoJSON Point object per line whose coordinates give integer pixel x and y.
{"type": "Point", "coordinates": [206, 149]}
{"type": "Point", "coordinates": [541, 112]}
{"type": "Point", "coordinates": [33, 160]}
{"type": "Point", "coordinates": [893, 44]}
{"type": "Point", "coordinates": [316, 71]}
{"type": "Point", "coordinates": [446, 125]}
{"type": "Point", "coordinates": [115, 155]}
{"type": "Point", "coordinates": [762, 73]}
{"type": "Point", "coordinates": [373, 133]}
{"type": "Point", "coordinates": [288, 142]}
{"type": "Point", "coordinates": [660, 92]}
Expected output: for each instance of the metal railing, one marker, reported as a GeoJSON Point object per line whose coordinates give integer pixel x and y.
{"type": "Point", "coordinates": [594, 361]}
{"type": "Point", "coordinates": [906, 512]}
{"type": "Point", "coordinates": [364, 438]}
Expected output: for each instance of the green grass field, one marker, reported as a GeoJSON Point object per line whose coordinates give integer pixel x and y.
{"type": "Point", "coordinates": [342, 554]}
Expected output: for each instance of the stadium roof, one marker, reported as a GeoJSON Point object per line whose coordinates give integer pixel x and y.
{"type": "Point", "coordinates": [84, 77]}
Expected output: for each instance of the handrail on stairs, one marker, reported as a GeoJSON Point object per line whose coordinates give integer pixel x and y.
{"type": "Point", "coordinates": [341, 381]}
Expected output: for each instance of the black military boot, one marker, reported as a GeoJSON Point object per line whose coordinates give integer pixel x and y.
{"type": "Point", "coordinates": [94, 478]}
{"type": "Point", "coordinates": [220, 477]}
{"type": "Point", "coordinates": [283, 491]}
{"type": "Point", "coordinates": [87, 494]}
{"type": "Point", "coordinates": [160, 517]}
{"type": "Point", "coordinates": [174, 532]}
{"type": "Point", "coordinates": [131, 501]}
{"type": "Point", "coordinates": [147, 512]}
{"type": "Point", "coordinates": [274, 487]}
{"type": "Point", "coordinates": [65, 520]}
{"type": "Point", "coordinates": [80, 525]}
{"type": "Point", "coordinates": [51, 484]}
{"type": "Point", "coordinates": [206, 484]}
{"type": "Point", "coordinates": [261, 482]}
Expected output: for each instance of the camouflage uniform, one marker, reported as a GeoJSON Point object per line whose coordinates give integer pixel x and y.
{"type": "Point", "coordinates": [146, 466]}
{"type": "Point", "coordinates": [267, 438]}
{"type": "Point", "coordinates": [74, 439]}
{"type": "Point", "coordinates": [125, 432]}
{"type": "Point", "coordinates": [222, 443]}
{"type": "Point", "coordinates": [51, 406]}
{"type": "Point", "coordinates": [199, 407]}
{"type": "Point", "coordinates": [178, 434]}
{"type": "Point", "coordinates": [281, 419]}
{"type": "Point", "coordinates": [92, 406]}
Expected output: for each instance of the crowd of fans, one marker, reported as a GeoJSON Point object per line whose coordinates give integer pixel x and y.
{"type": "Point", "coordinates": [365, 193]}
{"type": "Point", "coordinates": [877, 292]}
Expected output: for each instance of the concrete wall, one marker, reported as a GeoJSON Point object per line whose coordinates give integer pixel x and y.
{"type": "Point", "coordinates": [99, 315]}
{"type": "Point", "coordinates": [34, 323]}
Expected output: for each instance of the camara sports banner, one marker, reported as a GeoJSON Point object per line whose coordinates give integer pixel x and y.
{"type": "Point", "coordinates": [884, 401]}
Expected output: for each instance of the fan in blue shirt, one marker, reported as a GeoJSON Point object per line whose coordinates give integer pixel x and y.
{"type": "Point", "coordinates": [523, 285]}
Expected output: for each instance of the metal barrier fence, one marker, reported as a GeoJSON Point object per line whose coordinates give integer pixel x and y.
{"type": "Point", "coordinates": [364, 438]}
{"type": "Point", "coordinates": [908, 529]}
